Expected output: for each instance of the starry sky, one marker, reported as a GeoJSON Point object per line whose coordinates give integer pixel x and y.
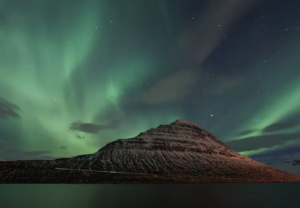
{"type": "Point", "coordinates": [76, 75]}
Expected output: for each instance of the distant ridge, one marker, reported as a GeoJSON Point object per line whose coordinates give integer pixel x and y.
{"type": "Point", "coordinates": [292, 166]}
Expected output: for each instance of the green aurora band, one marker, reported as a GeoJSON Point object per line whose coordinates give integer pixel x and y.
{"type": "Point", "coordinates": [44, 58]}
{"type": "Point", "coordinates": [40, 58]}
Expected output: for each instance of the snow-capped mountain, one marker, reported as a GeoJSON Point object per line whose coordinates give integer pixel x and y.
{"type": "Point", "coordinates": [288, 166]}
{"type": "Point", "coordinates": [178, 152]}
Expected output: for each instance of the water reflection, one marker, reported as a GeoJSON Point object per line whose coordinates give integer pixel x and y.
{"type": "Point", "coordinates": [192, 195]}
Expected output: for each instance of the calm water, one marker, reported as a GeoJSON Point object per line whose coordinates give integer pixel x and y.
{"type": "Point", "coordinates": [200, 195]}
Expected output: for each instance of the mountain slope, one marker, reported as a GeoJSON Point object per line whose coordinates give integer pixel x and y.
{"type": "Point", "coordinates": [179, 152]}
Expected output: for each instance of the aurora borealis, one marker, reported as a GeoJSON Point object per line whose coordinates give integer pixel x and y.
{"type": "Point", "coordinates": [75, 75]}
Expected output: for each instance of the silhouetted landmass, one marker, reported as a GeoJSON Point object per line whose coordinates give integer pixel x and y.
{"type": "Point", "coordinates": [177, 153]}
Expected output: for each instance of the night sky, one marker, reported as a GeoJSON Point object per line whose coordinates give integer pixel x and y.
{"type": "Point", "coordinates": [76, 75]}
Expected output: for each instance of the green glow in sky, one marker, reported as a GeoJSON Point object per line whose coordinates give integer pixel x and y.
{"type": "Point", "coordinates": [96, 62]}
{"type": "Point", "coordinates": [43, 54]}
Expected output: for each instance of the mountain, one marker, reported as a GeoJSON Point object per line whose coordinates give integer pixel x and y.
{"type": "Point", "coordinates": [177, 153]}
{"type": "Point", "coordinates": [288, 166]}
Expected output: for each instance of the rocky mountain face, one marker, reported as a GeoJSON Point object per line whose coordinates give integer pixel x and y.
{"type": "Point", "coordinates": [177, 153]}
{"type": "Point", "coordinates": [288, 166]}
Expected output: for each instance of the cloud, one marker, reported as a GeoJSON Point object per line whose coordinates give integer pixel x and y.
{"type": "Point", "coordinates": [63, 147]}
{"type": "Point", "coordinates": [2, 159]}
{"type": "Point", "coordinates": [79, 137]}
{"type": "Point", "coordinates": [200, 38]}
{"type": "Point", "coordinates": [109, 113]}
{"type": "Point", "coordinates": [291, 157]}
{"type": "Point", "coordinates": [246, 132]}
{"type": "Point", "coordinates": [13, 151]}
{"type": "Point", "coordinates": [10, 147]}
{"type": "Point", "coordinates": [19, 154]}
{"type": "Point", "coordinates": [87, 127]}
{"type": "Point", "coordinates": [296, 156]}
{"type": "Point", "coordinates": [286, 153]}
{"type": "Point", "coordinates": [262, 159]}
{"type": "Point", "coordinates": [194, 46]}
{"type": "Point", "coordinates": [180, 84]}
{"type": "Point", "coordinates": [271, 128]}
{"type": "Point", "coordinates": [285, 157]}
{"type": "Point", "coordinates": [36, 153]}
{"type": "Point", "coordinates": [254, 143]}
{"type": "Point", "coordinates": [222, 84]}
{"type": "Point", "coordinates": [93, 128]}
{"type": "Point", "coordinates": [7, 109]}
{"type": "Point", "coordinates": [115, 123]}
{"type": "Point", "coordinates": [279, 126]}
{"type": "Point", "coordinates": [171, 87]}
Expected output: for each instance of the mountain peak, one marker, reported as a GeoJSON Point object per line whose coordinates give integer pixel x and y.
{"type": "Point", "coordinates": [181, 121]}
{"type": "Point", "coordinates": [179, 152]}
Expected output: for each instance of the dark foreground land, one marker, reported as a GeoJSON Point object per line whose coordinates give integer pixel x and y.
{"type": "Point", "coordinates": [31, 172]}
